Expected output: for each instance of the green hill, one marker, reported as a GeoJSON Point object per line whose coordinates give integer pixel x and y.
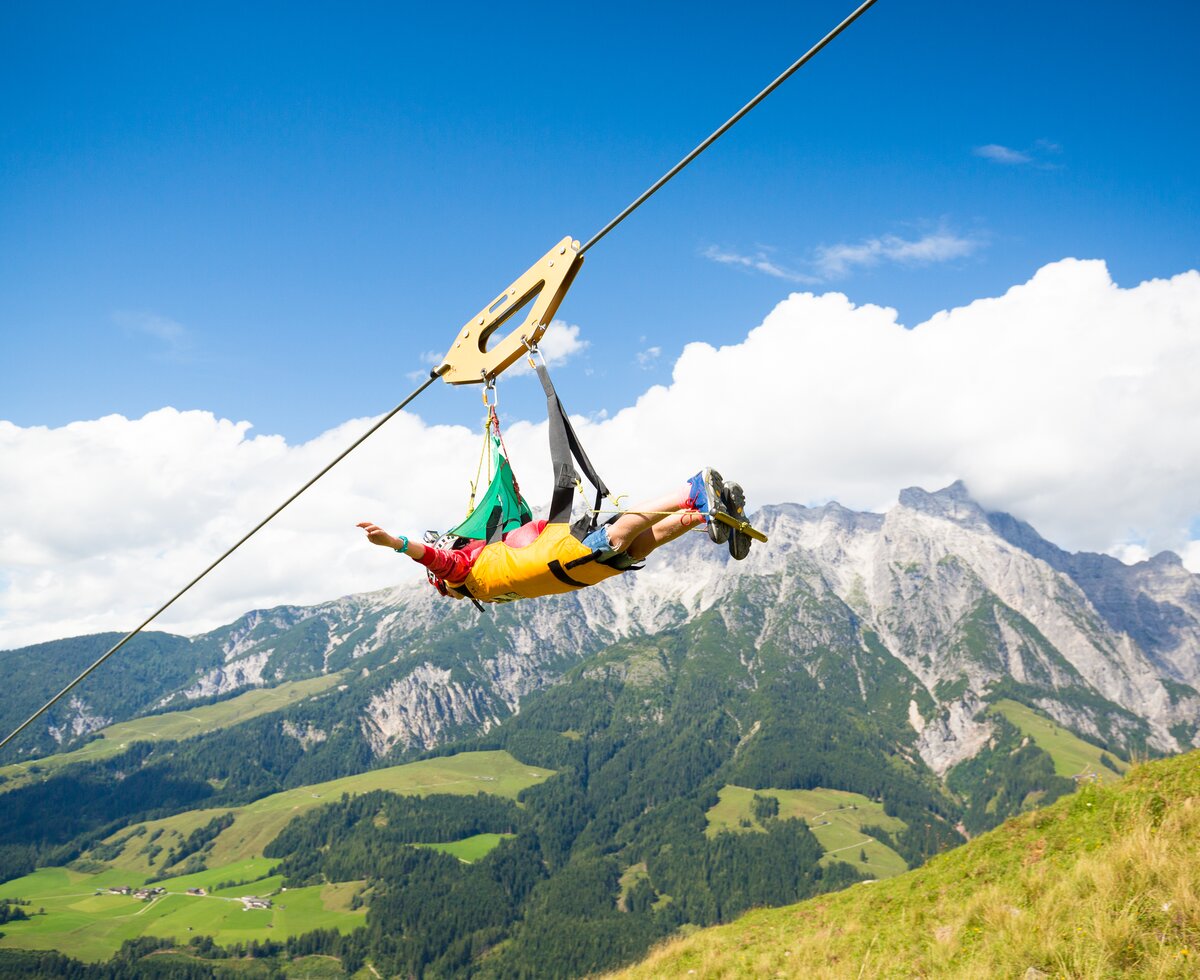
{"type": "Point", "coordinates": [1073, 757]}
{"type": "Point", "coordinates": [1100, 884]}
{"type": "Point", "coordinates": [80, 916]}
{"type": "Point", "coordinates": [169, 725]}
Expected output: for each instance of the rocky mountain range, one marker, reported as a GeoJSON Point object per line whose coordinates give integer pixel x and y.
{"type": "Point", "coordinates": [956, 600]}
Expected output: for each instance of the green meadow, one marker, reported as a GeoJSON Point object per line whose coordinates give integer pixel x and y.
{"type": "Point", "coordinates": [835, 817]}
{"type": "Point", "coordinates": [73, 911]}
{"type": "Point", "coordinates": [470, 848]}
{"type": "Point", "coordinates": [75, 914]}
{"type": "Point", "coordinates": [257, 824]}
{"type": "Point", "coordinates": [1073, 757]}
{"type": "Point", "coordinates": [170, 726]}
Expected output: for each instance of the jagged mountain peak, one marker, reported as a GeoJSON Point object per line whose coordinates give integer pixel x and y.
{"type": "Point", "coordinates": [951, 503]}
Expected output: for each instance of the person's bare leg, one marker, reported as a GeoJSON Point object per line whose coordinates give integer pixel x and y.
{"type": "Point", "coordinates": [643, 516]}
{"type": "Point", "coordinates": [666, 529]}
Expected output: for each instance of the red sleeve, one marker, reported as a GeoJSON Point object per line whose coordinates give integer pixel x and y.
{"type": "Point", "coordinates": [449, 565]}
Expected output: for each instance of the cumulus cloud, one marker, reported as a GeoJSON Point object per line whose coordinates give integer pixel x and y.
{"type": "Point", "coordinates": [1068, 401]}
{"type": "Point", "coordinates": [559, 344]}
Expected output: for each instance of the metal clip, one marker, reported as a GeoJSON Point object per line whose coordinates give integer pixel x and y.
{"type": "Point", "coordinates": [531, 348]}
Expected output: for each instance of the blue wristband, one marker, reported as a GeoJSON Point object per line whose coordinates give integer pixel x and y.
{"type": "Point", "coordinates": [403, 549]}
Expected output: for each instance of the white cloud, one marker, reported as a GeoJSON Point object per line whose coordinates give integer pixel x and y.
{"type": "Point", "coordinates": [1067, 401]}
{"type": "Point", "coordinates": [1191, 555]}
{"type": "Point", "coordinates": [1002, 154]}
{"type": "Point", "coordinates": [1037, 157]}
{"type": "Point", "coordinates": [648, 358]}
{"type": "Point", "coordinates": [559, 344]}
{"type": "Point", "coordinates": [837, 261]}
{"type": "Point", "coordinates": [760, 261]}
{"type": "Point", "coordinates": [174, 337]}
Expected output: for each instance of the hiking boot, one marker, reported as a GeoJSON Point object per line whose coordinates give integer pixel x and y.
{"type": "Point", "coordinates": [706, 493]}
{"type": "Point", "coordinates": [735, 503]}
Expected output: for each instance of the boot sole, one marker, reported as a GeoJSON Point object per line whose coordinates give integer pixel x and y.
{"type": "Point", "coordinates": [739, 543]}
{"type": "Point", "coordinates": [714, 487]}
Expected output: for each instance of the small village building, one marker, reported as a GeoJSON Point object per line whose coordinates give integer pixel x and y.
{"type": "Point", "coordinates": [254, 902]}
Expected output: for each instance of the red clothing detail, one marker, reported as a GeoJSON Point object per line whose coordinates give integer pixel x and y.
{"type": "Point", "coordinates": [454, 565]}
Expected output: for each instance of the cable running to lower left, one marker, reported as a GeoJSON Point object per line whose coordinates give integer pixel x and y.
{"type": "Point", "coordinates": [241, 541]}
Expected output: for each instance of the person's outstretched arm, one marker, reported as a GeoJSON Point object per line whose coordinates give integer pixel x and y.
{"type": "Point", "coordinates": [450, 565]}
{"type": "Point", "coordinates": [377, 535]}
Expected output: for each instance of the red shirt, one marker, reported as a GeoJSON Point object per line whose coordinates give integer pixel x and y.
{"type": "Point", "coordinates": [453, 565]}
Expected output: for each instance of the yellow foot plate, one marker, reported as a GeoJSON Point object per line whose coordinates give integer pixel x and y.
{"type": "Point", "coordinates": [743, 526]}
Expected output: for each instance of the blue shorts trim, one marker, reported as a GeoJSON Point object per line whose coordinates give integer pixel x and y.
{"type": "Point", "coordinates": [599, 543]}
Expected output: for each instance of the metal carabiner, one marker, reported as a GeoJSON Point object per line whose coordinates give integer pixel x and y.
{"type": "Point", "coordinates": [531, 348]}
{"type": "Point", "coordinates": [489, 384]}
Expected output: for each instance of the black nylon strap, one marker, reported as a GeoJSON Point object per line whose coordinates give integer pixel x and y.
{"type": "Point", "coordinates": [565, 445]}
{"type": "Point", "coordinates": [556, 570]}
{"type": "Point", "coordinates": [495, 524]}
{"type": "Point", "coordinates": [560, 453]}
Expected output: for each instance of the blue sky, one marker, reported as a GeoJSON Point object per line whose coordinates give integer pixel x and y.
{"type": "Point", "coordinates": [272, 213]}
{"type": "Point", "coordinates": [275, 213]}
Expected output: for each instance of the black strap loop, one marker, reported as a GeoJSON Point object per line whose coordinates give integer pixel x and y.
{"type": "Point", "coordinates": [565, 446]}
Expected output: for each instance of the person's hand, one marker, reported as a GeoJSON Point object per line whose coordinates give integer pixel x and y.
{"type": "Point", "coordinates": [377, 535]}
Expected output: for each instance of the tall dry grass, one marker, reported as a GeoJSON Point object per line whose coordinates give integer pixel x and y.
{"type": "Point", "coordinates": [1102, 884]}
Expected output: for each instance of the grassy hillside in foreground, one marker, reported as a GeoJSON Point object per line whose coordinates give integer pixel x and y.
{"type": "Point", "coordinates": [1073, 757]}
{"type": "Point", "coordinates": [91, 926]}
{"type": "Point", "coordinates": [171, 725]}
{"type": "Point", "coordinates": [1102, 883]}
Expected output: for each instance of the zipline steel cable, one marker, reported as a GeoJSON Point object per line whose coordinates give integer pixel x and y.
{"type": "Point", "coordinates": [229, 551]}
{"type": "Point", "coordinates": [637, 203]}
{"type": "Point", "coordinates": [728, 124]}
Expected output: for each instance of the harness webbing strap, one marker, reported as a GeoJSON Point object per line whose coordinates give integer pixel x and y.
{"type": "Point", "coordinates": [556, 570]}
{"type": "Point", "coordinates": [565, 445]}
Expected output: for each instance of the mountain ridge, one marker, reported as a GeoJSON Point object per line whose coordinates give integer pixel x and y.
{"type": "Point", "coordinates": [1129, 634]}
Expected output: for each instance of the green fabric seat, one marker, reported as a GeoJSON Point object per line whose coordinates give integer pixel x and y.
{"type": "Point", "coordinates": [501, 508]}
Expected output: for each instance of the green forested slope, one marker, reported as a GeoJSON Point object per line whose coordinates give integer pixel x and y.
{"type": "Point", "coordinates": [169, 726]}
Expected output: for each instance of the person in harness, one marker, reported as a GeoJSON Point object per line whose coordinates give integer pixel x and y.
{"type": "Point", "coordinates": [543, 558]}
{"type": "Point", "coordinates": [500, 553]}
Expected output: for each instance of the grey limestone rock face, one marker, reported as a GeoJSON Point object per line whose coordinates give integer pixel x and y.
{"type": "Point", "coordinates": [958, 598]}
{"type": "Point", "coordinates": [933, 604]}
